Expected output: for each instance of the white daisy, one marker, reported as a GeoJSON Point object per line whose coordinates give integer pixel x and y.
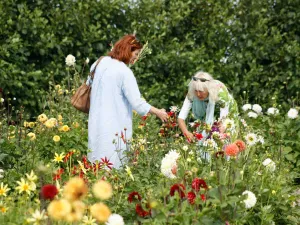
{"type": "Point", "coordinates": [251, 139]}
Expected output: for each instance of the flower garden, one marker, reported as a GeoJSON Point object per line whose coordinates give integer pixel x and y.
{"type": "Point", "coordinates": [246, 174]}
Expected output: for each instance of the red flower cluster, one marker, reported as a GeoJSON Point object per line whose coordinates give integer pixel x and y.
{"type": "Point", "coordinates": [231, 150]}
{"type": "Point", "coordinates": [138, 208]}
{"type": "Point", "coordinates": [68, 155]}
{"type": "Point", "coordinates": [57, 175]}
{"type": "Point", "coordinates": [178, 187]}
{"type": "Point", "coordinates": [49, 191]}
{"type": "Point", "coordinates": [133, 195]}
{"type": "Point", "coordinates": [191, 196]}
{"type": "Point", "coordinates": [199, 136]}
{"type": "Point", "coordinates": [106, 162]}
{"type": "Point", "coordinates": [197, 183]}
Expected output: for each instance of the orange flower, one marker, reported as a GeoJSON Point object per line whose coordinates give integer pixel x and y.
{"type": "Point", "coordinates": [231, 150]}
{"type": "Point", "coordinates": [241, 145]}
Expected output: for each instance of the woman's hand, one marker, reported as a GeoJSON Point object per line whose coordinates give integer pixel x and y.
{"type": "Point", "coordinates": [189, 136]}
{"type": "Point", "coordinates": [160, 113]}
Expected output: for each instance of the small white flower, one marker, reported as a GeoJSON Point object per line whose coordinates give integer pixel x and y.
{"type": "Point", "coordinates": [250, 200]}
{"type": "Point", "coordinates": [37, 217]}
{"type": "Point", "coordinates": [224, 60]}
{"type": "Point", "coordinates": [251, 139]}
{"type": "Point", "coordinates": [70, 60]}
{"type": "Point", "coordinates": [1, 173]}
{"type": "Point", "coordinates": [168, 163]}
{"type": "Point", "coordinates": [191, 124]}
{"type": "Point", "coordinates": [229, 124]}
{"type": "Point", "coordinates": [244, 123]}
{"type": "Point", "coordinates": [210, 143]}
{"type": "Point", "coordinates": [293, 113]}
{"type": "Point", "coordinates": [252, 115]}
{"type": "Point", "coordinates": [115, 219]}
{"type": "Point", "coordinates": [174, 109]}
{"type": "Point", "coordinates": [185, 148]}
{"type": "Point", "coordinates": [269, 164]}
{"type": "Point", "coordinates": [87, 60]}
{"type": "Point", "coordinates": [2, 100]}
{"type": "Point", "coordinates": [261, 139]}
{"type": "Point", "coordinates": [246, 107]}
{"type": "Point", "coordinates": [272, 111]}
{"type": "Point", "coordinates": [257, 108]}
{"type": "Point", "coordinates": [14, 98]}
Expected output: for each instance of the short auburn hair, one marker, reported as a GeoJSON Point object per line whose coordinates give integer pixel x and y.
{"type": "Point", "coordinates": [124, 47]}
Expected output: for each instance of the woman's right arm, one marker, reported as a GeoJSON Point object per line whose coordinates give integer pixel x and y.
{"type": "Point", "coordinates": [187, 105]}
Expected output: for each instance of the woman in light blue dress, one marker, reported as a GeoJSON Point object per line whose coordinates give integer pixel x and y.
{"type": "Point", "coordinates": [114, 95]}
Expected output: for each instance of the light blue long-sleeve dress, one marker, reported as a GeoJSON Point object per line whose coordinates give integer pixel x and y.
{"type": "Point", "coordinates": [114, 95]}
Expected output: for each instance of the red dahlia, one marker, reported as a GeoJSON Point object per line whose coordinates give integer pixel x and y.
{"type": "Point", "coordinates": [241, 145]}
{"type": "Point", "coordinates": [178, 187]}
{"type": "Point", "coordinates": [133, 196]}
{"type": "Point", "coordinates": [141, 212]}
{"type": "Point", "coordinates": [49, 191]}
{"type": "Point", "coordinates": [191, 196]}
{"type": "Point", "coordinates": [197, 183]}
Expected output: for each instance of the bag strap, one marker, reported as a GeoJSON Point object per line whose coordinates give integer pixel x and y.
{"type": "Point", "coordinates": [94, 70]}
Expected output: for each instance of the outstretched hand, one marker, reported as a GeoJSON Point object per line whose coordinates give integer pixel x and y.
{"type": "Point", "coordinates": [160, 113]}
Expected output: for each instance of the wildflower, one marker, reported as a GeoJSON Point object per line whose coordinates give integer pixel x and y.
{"type": "Point", "coordinates": [185, 148]}
{"type": "Point", "coordinates": [70, 60]}
{"type": "Point", "coordinates": [24, 186]}
{"type": "Point", "coordinates": [37, 217]}
{"type": "Point", "coordinates": [168, 163]}
{"type": "Point", "coordinates": [65, 128]}
{"type": "Point", "coordinates": [3, 189]}
{"type": "Point", "coordinates": [134, 195]}
{"type": "Point", "coordinates": [128, 170]}
{"type": "Point", "coordinates": [115, 219]}
{"type": "Point", "coordinates": [106, 163]}
{"type": "Point", "coordinates": [198, 183]}
{"type": "Point", "coordinates": [191, 196]}
{"type": "Point", "coordinates": [210, 143]}
{"type": "Point", "coordinates": [250, 200]}
{"type": "Point", "coordinates": [75, 124]}
{"type": "Point", "coordinates": [241, 145]}
{"type": "Point", "coordinates": [89, 220]}
{"type": "Point", "coordinates": [75, 188]}
{"type": "Point", "coordinates": [231, 150]}
{"type": "Point", "coordinates": [199, 136]}
{"type": "Point", "coordinates": [81, 167]}
{"type": "Point", "coordinates": [87, 60]}
{"type": "Point", "coordinates": [56, 138]}
{"type": "Point", "coordinates": [272, 111]}
{"type": "Point", "coordinates": [229, 124]}
{"type": "Point", "coordinates": [31, 136]}
{"type": "Point", "coordinates": [3, 208]}
{"type": "Point", "coordinates": [42, 118]}
{"type": "Point", "coordinates": [180, 188]}
{"type": "Point", "coordinates": [50, 123]}
{"type": "Point", "coordinates": [1, 173]}
{"type": "Point", "coordinates": [251, 139]}
{"type": "Point", "coordinates": [252, 115]}
{"type": "Point", "coordinates": [273, 192]}
{"type": "Point", "coordinates": [58, 157]}
{"type": "Point", "coordinates": [293, 113]}
{"type": "Point", "coordinates": [102, 190]}
{"type": "Point", "coordinates": [49, 191]}
{"type": "Point", "coordinates": [31, 177]}
{"type": "Point", "coordinates": [257, 108]}
{"type": "Point", "coordinates": [269, 164]}
{"type": "Point", "coordinates": [59, 209]}
{"type": "Point", "coordinates": [140, 211]}
{"type": "Point", "coordinates": [174, 109]}
{"type": "Point", "coordinates": [246, 107]}
{"type": "Point", "coordinates": [100, 212]}
{"type": "Point", "coordinates": [76, 214]}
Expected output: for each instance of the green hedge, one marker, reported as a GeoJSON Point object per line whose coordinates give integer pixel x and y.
{"type": "Point", "coordinates": [251, 46]}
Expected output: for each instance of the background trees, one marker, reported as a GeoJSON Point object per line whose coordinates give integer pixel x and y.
{"type": "Point", "coordinates": [251, 46]}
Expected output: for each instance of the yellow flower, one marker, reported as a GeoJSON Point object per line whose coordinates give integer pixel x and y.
{"type": "Point", "coordinates": [56, 138]}
{"type": "Point", "coordinates": [24, 186]}
{"type": "Point", "coordinates": [31, 136]}
{"type": "Point", "coordinates": [273, 192]}
{"type": "Point", "coordinates": [65, 128]}
{"type": "Point", "coordinates": [26, 124]}
{"type": "Point", "coordinates": [59, 209]}
{"type": "Point", "coordinates": [42, 118]}
{"type": "Point", "coordinates": [57, 87]}
{"type": "Point", "coordinates": [128, 170]}
{"type": "Point", "coordinates": [81, 165]}
{"type": "Point", "coordinates": [100, 212]}
{"type": "Point", "coordinates": [3, 189]}
{"type": "Point", "coordinates": [52, 122]}
{"type": "Point", "coordinates": [75, 188]}
{"type": "Point", "coordinates": [75, 124]}
{"type": "Point", "coordinates": [89, 220]}
{"type": "Point", "coordinates": [78, 208]}
{"type": "Point", "coordinates": [60, 91]}
{"type": "Point", "coordinates": [32, 177]}
{"type": "Point", "coordinates": [31, 124]}
{"type": "Point", "coordinates": [59, 117]}
{"type": "Point", "coordinates": [3, 208]}
{"type": "Point", "coordinates": [58, 157]}
{"type": "Point", "coordinates": [102, 190]}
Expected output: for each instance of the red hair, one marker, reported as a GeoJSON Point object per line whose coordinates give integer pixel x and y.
{"type": "Point", "coordinates": [124, 47]}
